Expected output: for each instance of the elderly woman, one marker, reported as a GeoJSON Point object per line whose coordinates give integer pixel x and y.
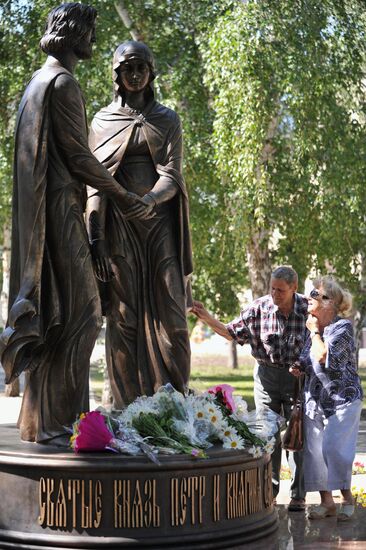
{"type": "Point", "coordinates": [333, 398]}
{"type": "Point", "coordinates": [142, 253]}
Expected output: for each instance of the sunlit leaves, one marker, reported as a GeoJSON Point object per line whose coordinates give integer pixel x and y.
{"type": "Point", "coordinates": [289, 130]}
{"type": "Point", "coordinates": [272, 101]}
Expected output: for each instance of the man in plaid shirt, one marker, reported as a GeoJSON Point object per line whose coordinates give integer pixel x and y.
{"type": "Point", "coordinates": [275, 328]}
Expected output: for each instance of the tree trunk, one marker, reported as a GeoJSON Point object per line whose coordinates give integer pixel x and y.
{"type": "Point", "coordinates": [232, 362]}
{"type": "Point", "coordinates": [259, 262]}
{"type": "Point", "coordinates": [127, 21]}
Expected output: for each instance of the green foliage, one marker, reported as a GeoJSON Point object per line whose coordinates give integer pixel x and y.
{"type": "Point", "coordinates": [174, 31]}
{"type": "Point", "coordinates": [19, 57]}
{"type": "Point", "coordinates": [271, 98]}
{"type": "Point", "coordinates": [289, 134]}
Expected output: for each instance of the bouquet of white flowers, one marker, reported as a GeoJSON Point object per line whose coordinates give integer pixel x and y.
{"type": "Point", "coordinates": [169, 422]}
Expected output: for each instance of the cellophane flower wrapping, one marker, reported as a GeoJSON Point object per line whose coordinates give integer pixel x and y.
{"type": "Point", "coordinates": [169, 422]}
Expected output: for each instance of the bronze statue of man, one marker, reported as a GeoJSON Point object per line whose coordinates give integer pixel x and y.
{"type": "Point", "coordinates": [54, 307]}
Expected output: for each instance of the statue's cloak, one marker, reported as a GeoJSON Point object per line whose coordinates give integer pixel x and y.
{"type": "Point", "coordinates": [110, 133]}
{"type": "Point", "coordinates": [31, 269]}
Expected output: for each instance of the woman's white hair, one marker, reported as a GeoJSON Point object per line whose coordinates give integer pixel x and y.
{"type": "Point", "coordinates": [341, 298]}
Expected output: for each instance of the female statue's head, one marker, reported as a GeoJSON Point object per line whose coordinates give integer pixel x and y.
{"type": "Point", "coordinates": [133, 69]}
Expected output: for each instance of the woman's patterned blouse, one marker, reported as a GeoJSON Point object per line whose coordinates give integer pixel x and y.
{"type": "Point", "coordinates": [335, 382]}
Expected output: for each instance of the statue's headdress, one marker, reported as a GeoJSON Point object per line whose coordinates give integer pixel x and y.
{"type": "Point", "coordinates": [132, 50]}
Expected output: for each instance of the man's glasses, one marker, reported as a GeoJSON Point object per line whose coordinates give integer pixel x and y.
{"type": "Point", "coordinates": [317, 296]}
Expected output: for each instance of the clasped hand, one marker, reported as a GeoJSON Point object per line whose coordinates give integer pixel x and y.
{"type": "Point", "coordinates": [138, 208]}
{"type": "Point", "coordinates": [134, 207]}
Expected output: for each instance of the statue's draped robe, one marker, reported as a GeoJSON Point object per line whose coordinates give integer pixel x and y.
{"type": "Point", "coordinates": [54, 306]}
{"type": "Point", "coordinates": [147, 343]}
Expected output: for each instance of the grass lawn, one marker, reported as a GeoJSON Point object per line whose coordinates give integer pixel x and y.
{"type": "Point", "coordinates": [202, 377]}
{"type": "Point", "coordinates": [205, 375]}
{"type": "Point", "coordinates": [241, 379]}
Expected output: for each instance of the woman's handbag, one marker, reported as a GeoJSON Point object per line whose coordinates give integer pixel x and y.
{"type": "Point", "coordinates": [293, 438]}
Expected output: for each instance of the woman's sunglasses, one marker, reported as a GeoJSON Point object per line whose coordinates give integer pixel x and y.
{"type": "Point", "coordinates": [317, 296]}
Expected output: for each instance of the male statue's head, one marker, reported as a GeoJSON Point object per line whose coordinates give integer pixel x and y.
{"type": "Point", "coordinates": [70, 26]}
{"type": "Point", "coordinates": [133, 68]}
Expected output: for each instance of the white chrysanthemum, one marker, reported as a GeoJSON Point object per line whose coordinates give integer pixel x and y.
{"type": "Point", "coordinates": [199, 411]}
{"type": "Point", "coordinates": [140, 405]}
{"type": "Point", "coordinates": [234, 442]}
{"type": "Point", "coordinates": [206, 411]}
{"type": "Point", "coordinates": [218, 427]}
{"type": "Point", "coordinates": [255, 451]}
{"type": "Point", "coordinates": [215, 417]}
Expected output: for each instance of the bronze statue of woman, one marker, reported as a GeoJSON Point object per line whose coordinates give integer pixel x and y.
{"type": "Point", "coordinates": [143, 255]}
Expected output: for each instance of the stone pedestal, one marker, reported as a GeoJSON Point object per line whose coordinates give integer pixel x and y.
{"type": "Point", "coordinates": [52, 498]}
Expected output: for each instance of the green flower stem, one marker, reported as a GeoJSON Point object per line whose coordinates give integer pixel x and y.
{"type": "Point", "coordinates": [148, 425]}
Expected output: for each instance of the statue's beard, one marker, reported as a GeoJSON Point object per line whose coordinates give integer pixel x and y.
{"type": "Point", "coordinates": [83, 50]}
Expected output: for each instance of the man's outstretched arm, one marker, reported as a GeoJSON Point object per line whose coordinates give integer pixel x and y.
{"type": "Point", "coordinates": [217, 326]}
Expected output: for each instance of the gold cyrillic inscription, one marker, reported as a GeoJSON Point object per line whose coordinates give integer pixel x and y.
{"type": "Point", "coordinates": [243, 493]}
{"type": "Point", "coordinates": [216, 497]}
{"type": "Point", "coordinates": [50, 505]}
{"type": "Point", "coordinates": [42, 505]}
{"type": "Point", "coordinates": [60, 508]}
{"type": "Point", "coordinates": [135, 504]}
{"type": "Point", "coordinates": [61, 505]}
{"type": "Point", "coordinates": [151, 510]}
{"type": "Point", "coordinates": [78, 503]}
{"type": "Point", "coordinates": [187, 493]}
{"type": "Point", "coordinates": [73, 491]}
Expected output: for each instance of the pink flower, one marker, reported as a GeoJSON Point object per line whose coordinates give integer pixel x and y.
{"type": "Point", "coordinates": [92, 433]}
{"type": "Point", "coordinates": [227, 395]}
{"type": "Point", "coordinates": [198, 453]}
